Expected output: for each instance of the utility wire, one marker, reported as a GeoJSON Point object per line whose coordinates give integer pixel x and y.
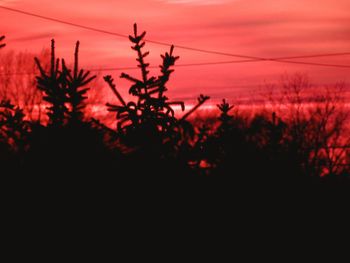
{"type": "Point", "coordinates": [221, 63]}
{"type": "Point", "coordinates": [122, 35]}
{"type": "Point", "coordinates": [135, 68]}
{"type": "Point", "coordinates": [314, 64]}
{"type": "Point", "coordinates": [188, 65]}
{"type": "Point", "coordinates": [252, 58]}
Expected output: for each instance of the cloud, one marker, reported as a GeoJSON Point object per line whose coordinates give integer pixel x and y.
{"type": "Point", "coordinates": [34, 37]}
{"type": "Point", "coordinates": [7, 1]}
{"type": "Point", "coordinates": [265, 28]}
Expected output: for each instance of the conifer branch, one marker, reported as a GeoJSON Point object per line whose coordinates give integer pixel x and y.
{"type": "Point", "coordinates": [109, 80]}
{"type": "Point", "coordinates": [201, 100]}
{"type": "Point", "coordinates": [1, 39]}
{"type": "Point", "coordinates": [139, 44]}
{"type": "Point", "coordinates": [224, 108]}
{"type": "Point", "coordinates": [152, 109]}
{"type": "Point", "coordinates": [53, 86]}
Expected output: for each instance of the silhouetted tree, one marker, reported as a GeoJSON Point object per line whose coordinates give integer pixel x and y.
{"type": "Point", "coordinates": [152, 112]}
{"type": "Point", "coordinates": [53, 85]}
{"type": "Point", "coordinates": [227, 147]}
{"type": "Point", "coordinates": [68, 140]}
{"type": "Point", "coordinates": [225, 117]}
{"type": "Point", "coordinates": [319, 131]}
{"type": "Point", "coordinates": [17, 81]}
{"type": "Point", "coordinates": [64, 90]}
{"type": "Point", "coordinates": [76, 91]}
{"type": "Point", "coordinates": [316, 131]}
{"type": "Point", "coordinates": [150, 121]}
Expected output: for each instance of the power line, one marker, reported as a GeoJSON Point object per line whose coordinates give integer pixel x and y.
{"type": "Point", "coordinates": [186, 65]}
{"type": "Point", "coordinates": [123, 35]}
{"type": "Point", "coordinates": [252, 58]}
{"type": "Point", "coordinates": [63, 22]}
{"type": "Point", "coordinates": [314, 64]}
{"type": "Point", "coordinates": [316, 56]}
{"type": "Point", "coordinates": [179, 65]}
{"type": "Point", "coordinates": [135, 68]}
{"type": "Point", "coordinates": [220, 63]}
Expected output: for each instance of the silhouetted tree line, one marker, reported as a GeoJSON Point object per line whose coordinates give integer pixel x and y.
{"type": "Point", "coordinates": [150, 144]}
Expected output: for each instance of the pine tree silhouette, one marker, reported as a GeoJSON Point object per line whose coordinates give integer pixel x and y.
{"type": "Point", "coordinates": [54, 87]}
{"type": "Point", "coordinates": [152, 112]}
{"type": "Point", "coordinates": [225, 117]}
{"type": "Point", "coordinates": [200, 101]}
{"type": "Point", "coordinates": [68, 139]}
{"type": "Point", "coordinates": [64, 89]}
{"type": "Point", "coordinates": [147, 125]}
{"type": "Point", "coordinates": [76, 90]}
{"type": "Point", "coordinates": [217, 144]}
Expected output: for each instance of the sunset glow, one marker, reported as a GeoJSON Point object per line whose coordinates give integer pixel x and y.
{"type": "Point", "coordinates": [236, 98]}
{"type": "Point", "coordinates": [264, 28]}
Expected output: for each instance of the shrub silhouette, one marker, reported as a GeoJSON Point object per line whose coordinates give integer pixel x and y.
{"type": "Point", "coordinates": [14, 132]}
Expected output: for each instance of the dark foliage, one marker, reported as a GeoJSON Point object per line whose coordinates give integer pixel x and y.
{"type": "Point", "coordinates": [75, 177]}
{"type": "Point", "coordinates": [14, 132]}
{"type": "Point", "coordinates": [153, 149]}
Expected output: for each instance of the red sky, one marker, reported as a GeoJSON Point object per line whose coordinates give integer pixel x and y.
{"type": "Point", "coordinates": [263, 28]}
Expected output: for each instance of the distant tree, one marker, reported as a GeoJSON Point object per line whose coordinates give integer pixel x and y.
{"type": "Point", "coordinates": [225, 117]}
{"type": "Point", "coordinates": [317, 127]}
{"type": "Point", "coordinates": [17, 81]}
{"type": "Point", "coordinates": [328, 130]}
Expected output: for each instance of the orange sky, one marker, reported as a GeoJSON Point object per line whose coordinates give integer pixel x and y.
{"type": "Point", "coordinates": [264, 28]}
